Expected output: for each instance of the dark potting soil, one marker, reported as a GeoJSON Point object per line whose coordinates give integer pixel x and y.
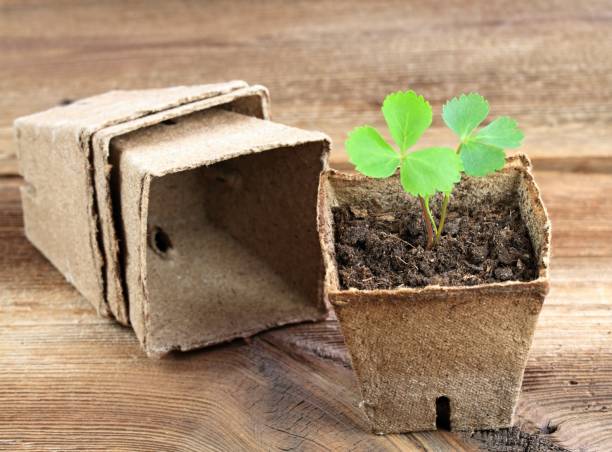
{"type": "Point", "coordinates": [484, 243]}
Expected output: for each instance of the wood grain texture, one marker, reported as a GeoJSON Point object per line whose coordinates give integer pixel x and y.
{"type": "Point", "coordinates": [70, 380]}
{"type": "Point", "coordinates": [328, 64]}
{"type": "Point", "coordinates": [68, 377]}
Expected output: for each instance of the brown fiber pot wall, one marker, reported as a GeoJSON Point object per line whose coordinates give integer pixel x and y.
{"type": "Point", "coordinates": [234, 194]}
{"type": "Point", "coordinates": [236, 200]}
{"type": "Point", "coordinates": [63, 157]}
{"type": "Point", "coordinates": [413, 347]}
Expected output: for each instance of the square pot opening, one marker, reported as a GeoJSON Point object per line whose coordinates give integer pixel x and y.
{"type": "Point", "coordinates": [366, 197]}
{"type": "Point", "coordinates": [234, 97]}
{"type": "Point", "coordinates": [220, 237]}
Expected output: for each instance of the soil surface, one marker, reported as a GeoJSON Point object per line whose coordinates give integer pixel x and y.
{"type": "Point", "coordinates": [480, 244]}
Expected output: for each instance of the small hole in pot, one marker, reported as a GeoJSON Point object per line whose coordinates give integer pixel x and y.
{"type": "Point", "coordinates": [65, 101]}
{"type": "Point", "coordinates": [169, 122]}
{"type": "Point", "coordinates": [160, 242]}
{"type": "Point", "coordinates": [443, 413]}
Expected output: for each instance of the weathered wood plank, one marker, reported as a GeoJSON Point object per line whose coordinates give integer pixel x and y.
{"type": "Point", "coordinates": [70, 377]}
{"type": "Point", "coordinates": [329, 64]}
{"type": "Point", "coordinates": [91, 385]}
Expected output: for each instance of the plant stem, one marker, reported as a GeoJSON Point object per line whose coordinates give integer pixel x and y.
{"type": "Point", "coordinates": [442, 217]}
{"type": "Point", "coordinates": [444, 208]}
{"type": "Point", "coordinates": [431, 218]}
{"type": "Point", "coordinates": [428, 221]}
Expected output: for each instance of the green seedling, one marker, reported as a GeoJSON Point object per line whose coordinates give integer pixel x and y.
{"type": "Point", "coordinates": [481, 151]}
{"type": "Point", "coordinates": [425, 172]}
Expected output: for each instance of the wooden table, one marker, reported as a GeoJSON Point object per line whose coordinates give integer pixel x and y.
{"type": "Point", "coordinates": [70, 380]}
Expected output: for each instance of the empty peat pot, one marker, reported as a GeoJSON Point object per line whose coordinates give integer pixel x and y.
{"type": "Point", "coordinates": [438, 356]}
{"type": "Point", "coordinates": [184, 212]}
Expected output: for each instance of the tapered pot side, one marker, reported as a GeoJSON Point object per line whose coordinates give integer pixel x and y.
{"type": "Point", "coordinates": [455, 355]}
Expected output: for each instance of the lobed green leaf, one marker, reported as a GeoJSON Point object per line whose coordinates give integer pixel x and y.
{"type": "Point", "coordinates": [464, 113]}
{"type": "Point", "coordinates": [430, 170]}
{"type": "Point", "coordinates": [370, 153]}
{"type": "Point", "coordinates": [408, 115]}
{"type": "Point", "coordinates": [502, 133]}
{"type": "Point", "coordinates": [481, 159]}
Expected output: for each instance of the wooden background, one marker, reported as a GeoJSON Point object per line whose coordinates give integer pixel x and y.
{"type": "Point", "coordinates": [72, 381]}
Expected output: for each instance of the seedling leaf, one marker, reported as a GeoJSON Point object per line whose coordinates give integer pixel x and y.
{"type": "Point", "coordinates": [430, 170]}
{"type": "Point", "coordinates": [370, 153]}
{"type": "Point", "coordinates": [502, 133]}
{"type": "Point", "coordinates": [408, 115]}
{"type": "Point", "coordinates": [481, 159]}
{"type": "Point", "coordinates": [464, 113]}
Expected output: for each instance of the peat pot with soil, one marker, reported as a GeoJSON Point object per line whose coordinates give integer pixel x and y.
{"type": "Point", "coordinates": [437, 272]}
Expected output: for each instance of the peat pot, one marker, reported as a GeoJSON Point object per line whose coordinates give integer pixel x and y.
{"type": "Point", "coordinates": [184, 212]}
{"type": "Point", "coordinates": [435, 356]}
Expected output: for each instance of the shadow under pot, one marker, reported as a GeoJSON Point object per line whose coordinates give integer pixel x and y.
{"type": "Point", "coordinates": [437, 343]}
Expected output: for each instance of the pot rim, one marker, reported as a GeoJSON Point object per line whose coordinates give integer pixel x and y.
{"type": "Point", "coordinates": [518, 162]}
